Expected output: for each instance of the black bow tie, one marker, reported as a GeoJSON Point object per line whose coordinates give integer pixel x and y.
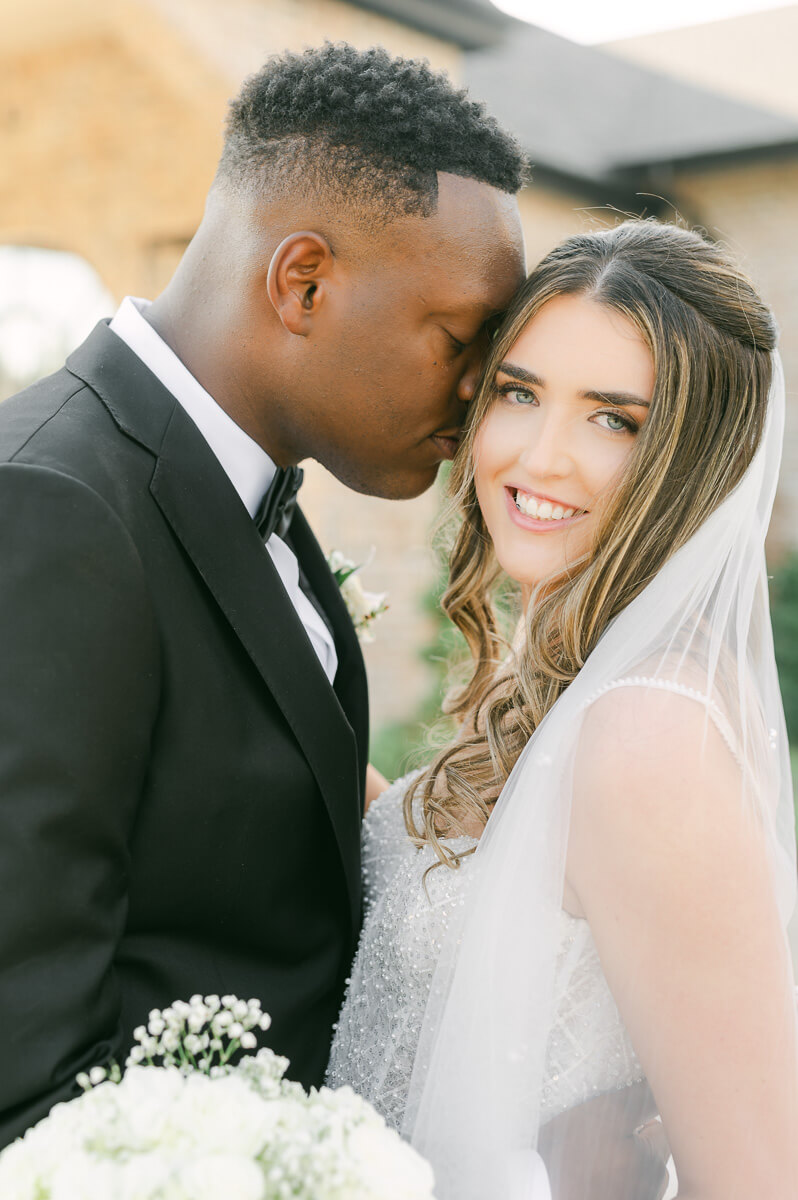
{"type": "Point", "coordinates": [277, 506]}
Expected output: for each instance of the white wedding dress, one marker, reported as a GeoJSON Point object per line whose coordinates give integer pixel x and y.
{"type": "Point", "coordinates": [588, 1052]}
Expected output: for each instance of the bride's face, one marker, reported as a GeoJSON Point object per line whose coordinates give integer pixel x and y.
{"type": "Point", "coordinates": [571, 396]}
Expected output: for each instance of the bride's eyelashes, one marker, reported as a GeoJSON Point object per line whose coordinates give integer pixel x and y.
{"type": "Point", "coordinates": [627, 424]}
{"type": "Point", "coordinates": [517, 390]}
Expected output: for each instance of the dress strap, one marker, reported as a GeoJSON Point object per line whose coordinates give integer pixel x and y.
{"type": "Point", "coordinates": [718, 718]}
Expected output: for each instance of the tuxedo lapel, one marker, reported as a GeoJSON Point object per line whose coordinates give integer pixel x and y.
{"type": "Point", "coordinates": [207, 516]}
{"type": "Point", "coordinates": [350, 680]}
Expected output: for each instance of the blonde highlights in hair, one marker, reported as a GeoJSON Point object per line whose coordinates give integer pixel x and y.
{"type": "Point", "coordinates": [711, 338]}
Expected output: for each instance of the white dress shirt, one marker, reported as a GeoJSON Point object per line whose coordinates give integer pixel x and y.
{"type": "Point", "coordinates": [247, 465]}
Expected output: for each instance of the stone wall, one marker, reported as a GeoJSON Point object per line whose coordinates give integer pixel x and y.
{"type": "Point", "coordinates": [238, 35]}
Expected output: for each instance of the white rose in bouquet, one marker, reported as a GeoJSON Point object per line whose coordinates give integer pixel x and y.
{"type": "Point", "coordinates": [199, 1127]}
{"type": "Point", "coordinates": [222, 1176]}
{"type": "Point", "coordinates": [391, 1169]}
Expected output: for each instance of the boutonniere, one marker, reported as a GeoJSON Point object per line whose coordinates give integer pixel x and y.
{"type": "Point", "coordinates": [363, 607]}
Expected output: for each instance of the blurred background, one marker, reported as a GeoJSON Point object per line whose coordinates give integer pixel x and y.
{"type": "Point", "coordinates": [110, 127]}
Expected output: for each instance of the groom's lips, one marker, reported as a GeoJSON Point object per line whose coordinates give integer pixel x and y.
{"type": "Point", "coordinates": [447, 444]}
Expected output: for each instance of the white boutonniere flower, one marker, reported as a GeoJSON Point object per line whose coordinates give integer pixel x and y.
{"type": "Point", "coordinates": [363, 607]}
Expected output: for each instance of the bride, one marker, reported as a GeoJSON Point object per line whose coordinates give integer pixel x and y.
{"type": "Point", "coordinates": [590, 886]}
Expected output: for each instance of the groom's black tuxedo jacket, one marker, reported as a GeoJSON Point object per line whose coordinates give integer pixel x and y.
{"type": "Point", "coordinates": [180, 786]}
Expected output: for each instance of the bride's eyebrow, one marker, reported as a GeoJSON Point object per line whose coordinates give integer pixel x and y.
{"type": "Point", "coordinates": [508, 368]}
{"type": "Point", "coordinates": [619, 399]}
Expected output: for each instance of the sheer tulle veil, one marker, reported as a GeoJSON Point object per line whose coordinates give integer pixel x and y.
{"type": "Point", "coordinates": [699, 631]}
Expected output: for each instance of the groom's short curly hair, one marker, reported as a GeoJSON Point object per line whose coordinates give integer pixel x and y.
{"type": "Point", "coordinates": [366, 127]}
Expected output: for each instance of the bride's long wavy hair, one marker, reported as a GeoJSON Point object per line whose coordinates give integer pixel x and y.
{"type": "Point", "coordinates": [711, 337]}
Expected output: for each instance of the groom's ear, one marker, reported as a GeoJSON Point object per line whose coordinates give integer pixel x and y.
{"type": "Point", "coordinates": [298, 279]}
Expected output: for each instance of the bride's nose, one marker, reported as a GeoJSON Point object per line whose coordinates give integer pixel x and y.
{"type": "Point", "coordinates": [546, 450]}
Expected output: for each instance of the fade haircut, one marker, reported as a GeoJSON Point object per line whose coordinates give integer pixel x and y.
{"type": "Point", "coordinates": [361, 128]}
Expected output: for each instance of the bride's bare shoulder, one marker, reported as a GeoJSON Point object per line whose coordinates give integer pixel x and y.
{"type": "Point", "coordinates": [650, 759]}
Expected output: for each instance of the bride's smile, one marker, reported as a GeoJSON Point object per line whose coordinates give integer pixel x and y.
{"type": "Point", "coordinates": [570, 398]}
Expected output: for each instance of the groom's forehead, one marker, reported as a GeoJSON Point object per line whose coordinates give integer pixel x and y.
{"type": "Point", "coordinates": [474, 241]}
{"type": "Point", "coordinates": [468, 281]}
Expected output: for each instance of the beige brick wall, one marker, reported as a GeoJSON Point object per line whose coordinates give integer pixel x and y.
{"type": "Point", "coordinates": [100, 157]}
{"type": "Point", "coordinates": [252, 29]}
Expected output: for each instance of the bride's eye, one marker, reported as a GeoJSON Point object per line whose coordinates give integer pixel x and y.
{"type": "Point", "coordinates": [615, 422]}
{"type": "Point", "coordinates": [516, 394]}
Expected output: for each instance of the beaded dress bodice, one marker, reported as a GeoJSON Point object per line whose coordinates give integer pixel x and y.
{"type": "Point", "coordinates": [376, 1037]}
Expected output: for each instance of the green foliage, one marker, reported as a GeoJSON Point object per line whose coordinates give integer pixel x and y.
{"type": "Point", "coordinates": [784, 613]}
{"type": "Point", "coordinates": [402, 745]}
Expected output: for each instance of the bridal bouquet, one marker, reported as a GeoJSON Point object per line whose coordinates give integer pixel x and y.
{"type": "Point", "coordinates": [198, 1127]}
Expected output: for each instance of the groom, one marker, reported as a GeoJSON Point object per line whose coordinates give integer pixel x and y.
{"type": "Point", "coordinates": [183, 711]}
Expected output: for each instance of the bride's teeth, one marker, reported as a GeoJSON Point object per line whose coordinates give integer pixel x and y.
{"type": "Point", "coordinates": [542, 510]}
